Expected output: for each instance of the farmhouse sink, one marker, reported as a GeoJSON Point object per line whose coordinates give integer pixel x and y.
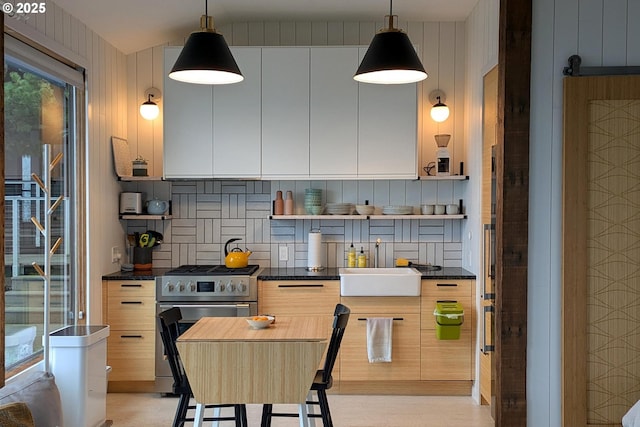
{"type": "Point", "coordinates": [380, 282]}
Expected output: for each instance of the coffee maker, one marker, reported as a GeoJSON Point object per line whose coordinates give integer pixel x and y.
{"type": "Point", "coordinates": [443, 159]}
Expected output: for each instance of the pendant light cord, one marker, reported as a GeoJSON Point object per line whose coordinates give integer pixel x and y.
{"type": "Point", "coordinates": [390, 7]}
{"type": "Point", "coordinates": [206, 7]}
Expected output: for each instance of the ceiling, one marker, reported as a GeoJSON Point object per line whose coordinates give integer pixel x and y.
{"type": "Point", "coordinates": [134, 25]}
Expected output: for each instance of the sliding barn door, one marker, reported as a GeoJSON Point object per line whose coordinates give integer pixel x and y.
{"type": "Point", "coordinates": [601, 249]}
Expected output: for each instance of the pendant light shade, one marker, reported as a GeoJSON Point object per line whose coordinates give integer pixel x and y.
{"type": "Point", "coordinates": [390, 59]}
{"type": "Point", "coordinates": [206, 58]}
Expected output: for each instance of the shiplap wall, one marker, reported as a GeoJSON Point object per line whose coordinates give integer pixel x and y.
{"type": "Point", "coordinates": [441, 46]}
{"type": "Point", "coordinates": [106, 71]}
{"type": "Point", "coordinates": [603, 33]}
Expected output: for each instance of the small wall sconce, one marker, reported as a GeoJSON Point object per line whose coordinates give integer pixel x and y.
{"type": "Point", "coordinates": [149, 110]}
{"type": "Point", "coordinates": [439, 111]}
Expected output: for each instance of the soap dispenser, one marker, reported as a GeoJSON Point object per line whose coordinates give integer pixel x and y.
{"type": "Point", "coordinates": [351, 257]}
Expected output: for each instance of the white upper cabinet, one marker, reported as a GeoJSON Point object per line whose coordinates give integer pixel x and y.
{"type": "Point", "coordinates": [387, 131]}
{"type": "Point", "coordinates": [298, 114]}
{"type": "Point", "coordinates": [213, 131]}
{"type": "Point", "coordinates": [285, 113]}
{"type": "Point", "coordinates": [188, 149]}
{"type": "Point", "coordinates": [333, 136]}
{"type": "Point", "coordinates": [236, 118]}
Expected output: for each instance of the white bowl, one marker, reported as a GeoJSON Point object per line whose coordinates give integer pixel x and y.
{"type": "Point", "coordinates": [365, 209]}
{"type": "Point", "coordinates": [260, 322]}
{"type": "Point", "coordinates": [439, 209]}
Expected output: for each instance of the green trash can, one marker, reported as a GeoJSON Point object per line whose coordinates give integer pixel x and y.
{"type": "Point", "coordinates": [449, 318]}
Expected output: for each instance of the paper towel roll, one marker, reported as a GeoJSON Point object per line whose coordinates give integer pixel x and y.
{"type": "Point", "coordinates": [314, 254]}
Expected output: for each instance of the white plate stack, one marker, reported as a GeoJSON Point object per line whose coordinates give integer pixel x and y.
{"type": "Point", "coordinates": [397, 210]}
{"type": "Point", "coordinates": [339, 208]}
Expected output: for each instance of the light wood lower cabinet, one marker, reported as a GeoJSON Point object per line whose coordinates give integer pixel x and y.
{"type": "Point", "coordinates": [129, 310]}
{"type": "Point", "coordinates": [405, 348]}
{"type": "Point", "coordinates": [447, 360]}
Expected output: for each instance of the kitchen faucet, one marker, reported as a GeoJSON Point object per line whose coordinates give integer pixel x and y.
{"type": "Point", "coordinates": [375, 259]}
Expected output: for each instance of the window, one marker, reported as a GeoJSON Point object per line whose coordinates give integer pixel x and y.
{"type": "Point", "coordinates": [44, 104]}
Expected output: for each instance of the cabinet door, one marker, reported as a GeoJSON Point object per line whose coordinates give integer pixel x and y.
{"type": "Point", "coordinates": [405, 356]}
{"type": "Point", "coordinates": [236, 118]}
{"type": "Point", "coordinates": [387, 131]}
{"type": "Point", "coordinates": [333, 146]}
{"type": "Point", "coordinates": [188, 125]}
{"type": "Point", "coordinates": [285, 112]}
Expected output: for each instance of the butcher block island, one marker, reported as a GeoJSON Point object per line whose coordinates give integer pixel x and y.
{"type": "Point", "coordinates": [420, 363]}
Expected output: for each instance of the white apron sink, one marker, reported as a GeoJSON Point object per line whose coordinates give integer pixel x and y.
{"type": "Point", "coordinates": [380, 282]}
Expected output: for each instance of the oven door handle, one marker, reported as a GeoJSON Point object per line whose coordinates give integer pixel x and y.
{"type": "Point", "coordinates": [186, 306]}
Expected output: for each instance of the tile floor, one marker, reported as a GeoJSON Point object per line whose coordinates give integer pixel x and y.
{"type": "Point", "coordinates": [141, 410]}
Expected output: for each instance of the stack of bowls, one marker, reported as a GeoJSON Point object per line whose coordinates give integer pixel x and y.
{"type": "Point", "coordinates": [313, 201]}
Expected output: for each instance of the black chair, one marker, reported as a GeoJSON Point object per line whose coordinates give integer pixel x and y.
{"type": "Point", "coordinates": [169, 332]}
{"type": "Point", "coordinates": [323, 379]}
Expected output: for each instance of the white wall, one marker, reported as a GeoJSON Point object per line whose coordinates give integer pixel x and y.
{"type": "Point", "coordinates": [603, 33]}
{"type": "Point", "coordinates": [107, 115]}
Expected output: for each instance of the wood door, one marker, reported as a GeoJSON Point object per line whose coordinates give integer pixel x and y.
{"type": "Point", "coordinates": [601, 249]}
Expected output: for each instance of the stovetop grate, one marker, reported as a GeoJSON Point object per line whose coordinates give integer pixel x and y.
{"type": "Point", "coordinates": [212, 270]}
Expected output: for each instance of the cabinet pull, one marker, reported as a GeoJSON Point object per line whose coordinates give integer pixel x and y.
{"type": "Point", "coordinates": [486, 346]}
{"type": "Point", "coordinates": [126, 285]}
{"type": "Point", "coordinates": [447, 284]}
{"type": "Point", "coordinates": [130, 302]}
{"type": "Point", "coordinates": [301, 286]}
{"type": "Point", "coordinates": [395, 318]}
{"type": "Point", "coordinates": [130, 336]}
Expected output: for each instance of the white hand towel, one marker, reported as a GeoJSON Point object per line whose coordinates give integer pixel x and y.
{"type": "Point", "coordinates": [379, 333]}
{"type": "Point", "coordinates": [632, 418]}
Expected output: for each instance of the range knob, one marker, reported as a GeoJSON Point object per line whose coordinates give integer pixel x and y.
{"type": "Point", "coordinates": [169, 286]}
{"type": "Point", "coordinates": [231, 287]}
{"type": "Point", "coordinates": [242, 287]}
{"type": "Point", "coordinates": [221, 286]}
{"type": "Point", "coordinates": [192, 286]}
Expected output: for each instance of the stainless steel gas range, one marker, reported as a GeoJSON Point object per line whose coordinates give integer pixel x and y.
{"type": "Point", "coordinates": [203, 291]}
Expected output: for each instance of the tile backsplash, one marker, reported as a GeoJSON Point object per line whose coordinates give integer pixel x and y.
{"type": "Point", "coordinates": [205, 214]}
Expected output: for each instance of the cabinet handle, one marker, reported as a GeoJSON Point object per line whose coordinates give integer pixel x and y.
{"type": "Point", "coordinates": [301, 286]}
{"type": "Point", "coordinates": [130, 336]}
{"type": "Point", "coordinates": [135, 285]}
{"type": "Point", "coordinates": [486, 347]}
{"type": "Point", "coordinates": [395, 318]}
{"type": "Point", "coordinates": [447, 285]}
{"type": "Point", "coordinates": [130, 302]}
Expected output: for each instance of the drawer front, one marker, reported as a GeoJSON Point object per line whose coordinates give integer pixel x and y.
{"type": "Point", "coordinates": [446, 359]}
{"type": "Point", "coordinates": [293, 298]}
{"type": "Point", "coordinates": [128, 288]}
{"type": "Point", "coordinates": [132, 312]}
{"type": "Point", "coordinates": [131, 355]}
{"type": "Point", "coordinates": [446, 289]}
{"type": "Point", "coordinates": [428, 319]}
{"type": "Point", "coordinates": [386, 306]}
{"type": "Point", "coordinates": [405, 354]}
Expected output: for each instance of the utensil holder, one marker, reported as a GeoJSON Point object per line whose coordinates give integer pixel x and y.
{"type": "Point", "coordinates": [142, 258]}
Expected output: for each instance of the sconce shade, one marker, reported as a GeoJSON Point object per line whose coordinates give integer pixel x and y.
{"type": "Point", "coordinates": [390, 59]}
{"type": "Point", "coordinates": [439, 112]}
{"type": "Point", "coordinates": [206, 59]}
{"type": "Point", "coordinates": [149, 110]}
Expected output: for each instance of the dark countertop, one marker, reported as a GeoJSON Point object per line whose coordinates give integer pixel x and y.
{"type": "Point", "coordinates": [334, 274]}
{"type": "Point", "coordinates": [136, 274]}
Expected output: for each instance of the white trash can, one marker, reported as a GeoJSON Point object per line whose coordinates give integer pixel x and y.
{"type": "Point", "coordinates": [78, 357]}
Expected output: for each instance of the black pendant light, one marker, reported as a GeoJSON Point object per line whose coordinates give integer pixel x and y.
{"type": "Point", "coordinates": [391, 58]}
{"type": "Point", "coordinates": [206, 58]}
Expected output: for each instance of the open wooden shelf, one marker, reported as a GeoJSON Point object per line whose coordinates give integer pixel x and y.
{"type": "Point", "coordinates": [366, 217]}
